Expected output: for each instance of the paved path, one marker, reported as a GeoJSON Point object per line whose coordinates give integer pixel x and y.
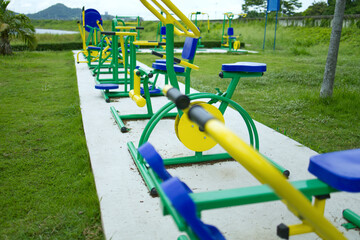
{"type": "Point", "coordinates": [129, 212]}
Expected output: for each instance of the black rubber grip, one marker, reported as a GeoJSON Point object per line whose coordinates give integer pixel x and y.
{"type": "Point", "coordinates": [157, 54]}
{"type": "Point", "coordinates": [177, 60]}
{"type": "Point", "coordinates": [162, 43]}
{"type": "Point", "coordinates": [138, 73]}
{"type": "Point", "coordinates": [140, 28]}
{"type": "Point", "coordinates": [181, 101]}
{"type": "Point", "coordinates": [108, 33]}
{"type": "Point", "coordinates": [199, 115]}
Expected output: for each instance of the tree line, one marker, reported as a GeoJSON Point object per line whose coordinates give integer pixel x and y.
{"type": "Point", "coordinates": [257, 8]}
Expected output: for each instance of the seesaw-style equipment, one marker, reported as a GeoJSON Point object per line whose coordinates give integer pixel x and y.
{"type": "Point", "coordinates": [89, 32]}
{"type": "Point", "coordinates": [228, 39]}
{"type": "Point", "coordinates": [338, 171]}
{"type": "Point", "coordinates": [198, 23]}
{"type": "Point", "coordinates": [191, 137]}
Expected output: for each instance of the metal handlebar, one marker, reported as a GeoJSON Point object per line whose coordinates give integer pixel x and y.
{"type": "Point", "coordinates": [177, 61]}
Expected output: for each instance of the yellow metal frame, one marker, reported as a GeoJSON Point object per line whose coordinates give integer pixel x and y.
{"type": "Point", "coordinates": [260, 168]}
{"type": "Point", "coordinates": [135, 93]}
{"type": "Point", "coordinates": [195, 33]}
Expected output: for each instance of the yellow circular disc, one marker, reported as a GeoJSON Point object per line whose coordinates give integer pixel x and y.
{"type": "Point", "coordinates": [189, 133]}
{"type": "Point", "coordinates": [237, 45]}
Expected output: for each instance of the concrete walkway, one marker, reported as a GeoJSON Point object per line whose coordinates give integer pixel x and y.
{"type": "Point", "coordinates": [129, 212]}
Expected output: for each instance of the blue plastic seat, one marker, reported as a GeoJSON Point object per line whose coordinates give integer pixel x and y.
{"type": "Point", "coordinates": [94, 48]}
{"type": "Point", "coordinates": [162, 67]}
{"type": "Point", "coordinates": [244, 67]}
{"type": "Point", "coordinates": [340, 170]}
{"type": "Point", "coordinates": [189, 48]}
{"type": "Point", "coordinates": [106, 86]}
{"type": "Point", "coordinates": [188, 53]}
{"type": "Point", "coordinates": [185, 206]}
{"type": "Point", "coordinates": [151, 90]}
{"type": "Point", "coordinates": [156, 163]}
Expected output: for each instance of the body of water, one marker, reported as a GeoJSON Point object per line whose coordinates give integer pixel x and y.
{"type": "Point", "coordinates": [53, 31]}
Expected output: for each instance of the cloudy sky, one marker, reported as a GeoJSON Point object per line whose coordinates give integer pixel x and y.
{"type": "Point", "coordinates": [215, 8]}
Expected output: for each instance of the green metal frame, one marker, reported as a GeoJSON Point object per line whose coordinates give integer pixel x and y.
{"type": "Point", "coordinates": [234, 197]}
{"type": "Point", "coordinates": [120, 118]}
{"type": "Point", "coordinates": [199, 156]}
{"type": "Point", "coordinates": [353, 218]}
{"type": "Point", "coordinates": [163, 112]}
{"type": "Point", "coordinates": [229, 16]}
{"type": "Point", "coordinates": [159, 37]}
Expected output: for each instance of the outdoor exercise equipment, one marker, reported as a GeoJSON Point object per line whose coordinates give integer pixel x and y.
{"type": "Point", "coordinates": [198, 23]}
{"type": "Point", "coordinates": [120, 63]}
{"type": "Point", "coordinates": [161, 34]}
{"type": "Point", "coordinates": [198, 142]}
{"type": "Point", "coordinates": [167, 68]}
{"type": "Point", "coordinates": [89, 26]}
{"type": "Point", "coordinates": [122, 59]}
{"type": "Point", "coordinates": [338, 171]}
{"type": "Point", "coordinates": [228, 39]}
{"type": "Point", "coordinates": [159, 67]}
{"type": "Point", "coordinates": [188, 54]}
{"type": "Point", "coordinates": [131, 21]}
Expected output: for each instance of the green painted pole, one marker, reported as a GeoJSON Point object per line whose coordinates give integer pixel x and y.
{"type": "Point", "coordinates": [353, 218]}
{"type": "Point", "coordinates": [265, 29]}
{"type": "Point", "coordinates": [170, 55]}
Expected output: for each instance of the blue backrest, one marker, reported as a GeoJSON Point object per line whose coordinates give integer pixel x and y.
{"type": "Point", "coordinates": [230, 31]}
{"type": "Point", "coordinates": [163, 30]}
{"type": "Point", "coordinates": [189, 48]}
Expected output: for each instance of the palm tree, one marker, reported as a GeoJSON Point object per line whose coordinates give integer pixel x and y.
{"type": "Point", "coordinates": [14, 26]}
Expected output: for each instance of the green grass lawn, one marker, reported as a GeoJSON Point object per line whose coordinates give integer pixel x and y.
{"type": "Point", "coordinates": [47, 189]}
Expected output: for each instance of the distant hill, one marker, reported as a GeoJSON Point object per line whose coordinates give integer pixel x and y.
{"type": "Point", "coordinates": [58, 11]}
{"type": "Point", "coordinates": [61, 12]}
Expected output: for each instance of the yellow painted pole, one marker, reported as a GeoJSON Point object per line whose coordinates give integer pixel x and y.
{"type": "Point", "coordinates": [135, 93]}
{"type": "Point", "coordinates": [169, 19]}
{"type": "Point", "coordinates": [267, 174]}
